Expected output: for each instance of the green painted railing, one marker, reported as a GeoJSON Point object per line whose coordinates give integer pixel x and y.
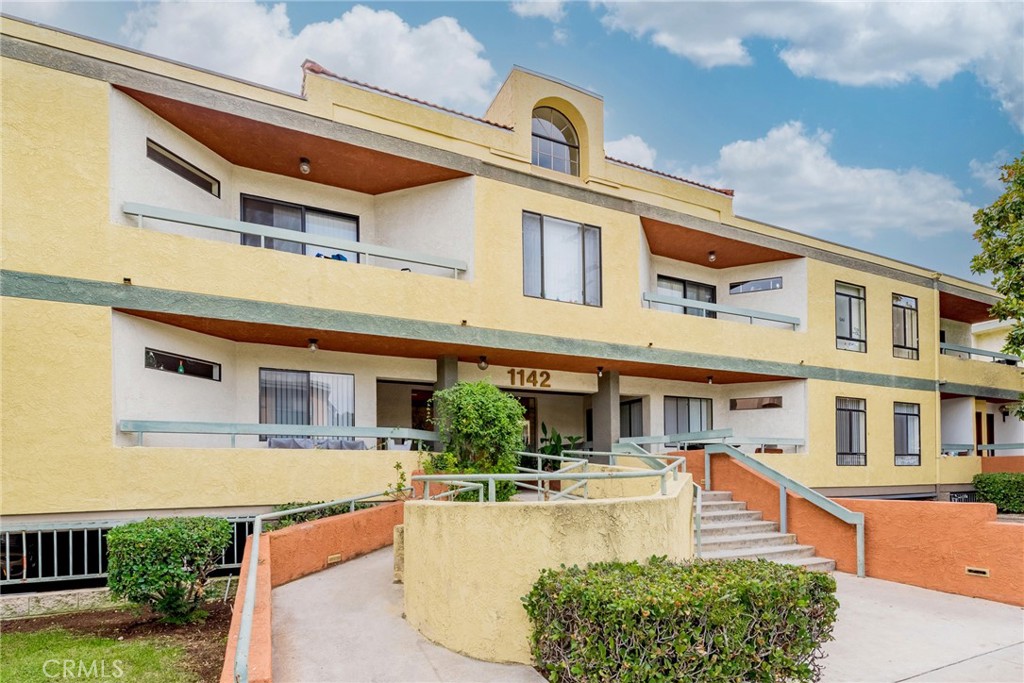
{"type": "Point", "coordinates": [233, 429]}
{"type": "Point", "coordinates": [748, 313]}
{"type": "Point", "coordinates": [626, 443]}
{"type": "Point", "coordinates": [785, 485]}
{"type": "Point", "coordinates": [971, 448]}
{"type": "Point", "coordinates": [950, 349]}
{"type": "Point", "coordinates": [142, 211]}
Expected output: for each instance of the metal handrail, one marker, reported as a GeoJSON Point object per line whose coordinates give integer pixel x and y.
{"type": "Point", "coordinates": [241, 665]}
{"type": "Point", "coordinates": [787, 484]}
{"type": "Point", "coordinates": [970, 447]}
{"type": "Point", "coordinates": [749, 313]}
{"type": "Point", "coordinates": [142, 211]}
{"type": "Point", "coordinates": [709, 436]}
{"type": "Point", "coordinates": [970, 350]}
{"type": "Point", "coordinates": [1000, 446]}
{"type": "Point", "coordinates": [142, 427]}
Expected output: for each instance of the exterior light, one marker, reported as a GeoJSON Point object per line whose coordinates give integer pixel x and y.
{"type": "Point", "coordinates": [483, 364]}
{"type": "Point", "coordinates": [1004, 410]}
{"type": "Point", "coordinates": [313, 345]}
{"type": "Point", "coordinates": [600, 370]}
{"type": "Point", "coordinates": [304, 166]}
{"type": "Point", "coordinates": [711, 379]}
{"type": "Point", "coordinates": [712, 257]}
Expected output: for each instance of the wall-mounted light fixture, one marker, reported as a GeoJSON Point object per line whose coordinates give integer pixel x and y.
{"type": "Point", "coordinates": [304, 166]}
{"type": "Point", "coordinates": [313, 345]}
{"type": "Point", "coordinates": [1004, 410]}
{"type": "Point", "coordinates": [600, 370]}
{"type": "Point", "coordinates": [711, 379]}
{"type": "Point", "coordinates": [483, 364]}
{"type": "Point", "coordinates": [712, 257]}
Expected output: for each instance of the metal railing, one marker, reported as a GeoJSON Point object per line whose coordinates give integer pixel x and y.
{"type": "Point", "coordinates": [44, 553]}
{"type": "Point", "coordinates": [969, 448]}
{"type": "Point", "coordinates": [785, 485]}
{"type": "Point", "coordinates": [704, 437]}
{"type": "Point", "coordinates": [241, 664]}
{"type": "Point", "coordinates": [750, 314]}
{"type": "Point", "coordinates": [970, 351]}
{"type": "Point", "coordinates": [235, 429]}
{"type": "Point", "coordinates": [142, 211]}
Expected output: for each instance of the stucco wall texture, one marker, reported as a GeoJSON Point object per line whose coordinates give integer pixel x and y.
{"type": "Point", "coordinates": [1003, 463]}
{"type": "Point", "coordinates": [925, 544]}
{"type": "Point", "coordinates": [468, 564]}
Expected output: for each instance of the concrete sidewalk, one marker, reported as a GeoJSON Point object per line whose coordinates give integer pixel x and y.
{"type": "Point", "coordinates": [345, 624]}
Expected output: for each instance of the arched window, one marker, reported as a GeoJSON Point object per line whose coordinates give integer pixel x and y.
{"type": "Point", "coordinates": [555, 144]}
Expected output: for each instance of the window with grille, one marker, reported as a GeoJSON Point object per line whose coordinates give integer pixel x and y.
{"type": "Point", "coordinates": [904, 327]}
{"type": "Point", "coordinates": [851, 431]}
{"type": "Point", "coordinates": [907, 433]}
{"type": "Point", "coordinates": [297, 397]}
{"type": "Point", "coordinates": [555, 143]}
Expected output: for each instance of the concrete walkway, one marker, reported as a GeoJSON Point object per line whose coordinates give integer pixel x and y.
{"type": "Point", "coordinates": [345, 624]}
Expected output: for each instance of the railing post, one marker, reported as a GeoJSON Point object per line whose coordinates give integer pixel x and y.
{"type": "Point", "coordinates": [707, 470]}
{"type": "Point", "coordinates": [491, 491]}
{"type": "Point", "coordinates": [426, 490]}
{"type": "Point", "coordinates": [664, 485]}
{"type": "Point", "coordinates": [860, 549]}
{"type": "Point", "coordinates": [783, 509]}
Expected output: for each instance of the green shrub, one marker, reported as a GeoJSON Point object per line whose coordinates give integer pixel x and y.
{"type": "Point", "coordinates": [705, 621]}
{"type": "Point", "coordinates": [165, 563]}
{"type": "Point", "coordinates": [481, 428]}
{"type": "Point", "coordinates": [1004, 489]}
{"type": "Point", "coordinates": [309, 516]}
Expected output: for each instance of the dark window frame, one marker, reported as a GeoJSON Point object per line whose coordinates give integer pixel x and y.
{"type": "Point", "coordinates": [182, 168]}
{"type": "Point", "coordinates": [850, 298]}
{"type": "Point", "coordinates": [303, 208]}
{"type": "Point", "coordinates": [535, 155]}
{"type": "Point", "coordinates": [738, 287]}
{"type": "Point", "coordinates": [688, 310]}
{"type": "Point", "coordinates": [583, 255]}
{"type": "Point", "coordinates": [309, 394]}
{"type": "Point", "coordinates": [909, 459]}
{"type": "Point", "coordinates": [216, 368]}
{"type": "Point", "coordinates": [911, 352]}
{"type": "Point", "coordinates": [630, 405]}
{"type": "Point", "coordinates": [852, 459]}
{"type": "Point", "coordinates": [734, 403]}
{"type": "Point", "coordinates": [710, 411]}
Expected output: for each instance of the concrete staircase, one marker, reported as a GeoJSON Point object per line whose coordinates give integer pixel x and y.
{"type": "Point", "coordinates": [729, 531]}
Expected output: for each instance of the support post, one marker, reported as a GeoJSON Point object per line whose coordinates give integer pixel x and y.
{"type": "Point", "coordinates": [606, 413]}
{"type": "Point", "coordinates": [783, 509]}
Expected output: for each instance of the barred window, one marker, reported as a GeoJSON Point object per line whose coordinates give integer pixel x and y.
{"type": "Point", "coordinates": [851, 431]}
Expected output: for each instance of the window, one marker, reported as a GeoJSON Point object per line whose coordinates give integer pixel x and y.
{"type": "Point", "coordinates": [182, 365]}
{"type": "Point", "coordinates": [763, 285]}
{"type": "Point", "coordinates": [175, 164]}
{"type": "Point", "coordinates": [904, 327]}
{"type": "Point", "coordinates": [555, 144]}
{"type": "Point", "coordinates": [561, 260]}
{"type": "Point", "coordinates": [300, 219]}
{"type": "Point", "coordinates": [686, 289]}
{"type": "Point", "coordinates": [296, 397]}
{"type": "Point", "coordinates": [851, 431]}
{"type": "Point", "coordinates": [684, 415]}
{"type": "Point", "coordinates": [755, 403]}
{"type": "Point", "coordinates": [907, 433]}
{"type": "Point", "coordinates": [850, 318]}
{"type": "Point", "coordinates": [631, 417]}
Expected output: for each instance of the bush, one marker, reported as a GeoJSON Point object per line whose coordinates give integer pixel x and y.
{"type": "Point", "coordinates": [165, 563]}
{"type": "Point", "coordinates": [309, 516]}
{"type": "Point", "coordinates": [481, 428]}
{"type": "Point", "coordinates": [1004, 489]}
{"type": "Point", "coordinates": [706, 621]}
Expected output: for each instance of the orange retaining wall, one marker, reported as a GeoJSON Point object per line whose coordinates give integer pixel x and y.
{"type": "Point", "coordinates": [926, 544]}
{"type": "Point", "coordinates": [1003, 463]}
{"type": "Point", "coordinates": [291, 553]}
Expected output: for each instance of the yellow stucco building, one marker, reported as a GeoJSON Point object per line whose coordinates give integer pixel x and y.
{"type": "Point", "coordinates": [175, 242]}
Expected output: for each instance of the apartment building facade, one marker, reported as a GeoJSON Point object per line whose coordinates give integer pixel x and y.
{"type": "Point", "coordinates": [183, 249]}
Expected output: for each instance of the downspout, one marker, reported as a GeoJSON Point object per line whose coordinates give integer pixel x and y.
{"type": "Point", "coordinates": [936, 298]}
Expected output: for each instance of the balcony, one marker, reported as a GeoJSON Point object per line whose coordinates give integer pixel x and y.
{"type": "Point", "coordinates": [720, 311]}
{"type": "Point", "coordinates": [970, 353]}
{"type": "Point", "coordinates": [372, 254]}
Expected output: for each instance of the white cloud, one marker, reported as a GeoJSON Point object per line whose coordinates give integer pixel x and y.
{"type": "Point", "coordinates": [560, 35]}
{"type": "Point", "coordinates": [632, 148]}
{"type": "Point", "coordinates": [871, 43]}
{"type": "Point", "coordinates": [989, 172]}
{"type": "Point", "coordinates": [438, 60]}
{"type": "Point", "coordinates": [789, 178]}
{"type": "Point", "coordinates": [546, 9]}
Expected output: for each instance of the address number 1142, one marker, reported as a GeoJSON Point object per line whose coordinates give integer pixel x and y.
{"type": "Point", "coordinates": [518, 377]}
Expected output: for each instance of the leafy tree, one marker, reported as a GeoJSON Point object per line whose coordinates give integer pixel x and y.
{"type": "Point", "coordinates": [1001, 236]}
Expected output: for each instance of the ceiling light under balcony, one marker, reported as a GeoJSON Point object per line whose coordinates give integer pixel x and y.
{"type": "Point", "coordinates": [712, 257]}
{"type": "Point", "coordinates": [304, 166]}
{"type": "Point", "coordinates": [313, 346]}
{"type": "Point", "coordinates": [483, 364]}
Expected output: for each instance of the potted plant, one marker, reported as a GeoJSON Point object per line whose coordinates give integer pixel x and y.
{"type": "Point", "coordinates": [555, 444]}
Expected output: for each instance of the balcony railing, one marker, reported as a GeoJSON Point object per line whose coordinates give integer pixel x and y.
{"type": "Point", "coordinates": [763, 444]}
{"type": "Point", "coordinates": [143, 211]}
{"type": "Point", "coordinates": [750, 314]}
{"type": "Point", "coordinates": [970, 352]}
{"type": "Point", "coordinates": [234, 429]}
{"type": "Point", "coordinates": [985, 448]}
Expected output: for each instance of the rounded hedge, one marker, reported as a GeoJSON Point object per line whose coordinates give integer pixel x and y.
{"type": "Point", "coordinates": [1003, 489]}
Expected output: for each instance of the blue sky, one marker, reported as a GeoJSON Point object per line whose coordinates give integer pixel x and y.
{"type": "Point", "coordinates": [878, 125]}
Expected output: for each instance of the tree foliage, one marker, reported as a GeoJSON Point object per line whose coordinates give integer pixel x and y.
{"type": "Point", "coordinates": [1001, 236]}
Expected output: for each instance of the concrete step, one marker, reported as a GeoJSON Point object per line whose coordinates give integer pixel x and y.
{"type": "Point", "coordinates": [712, 496]}
{"type": "Point", "coordinates": [737, 528]}
{"type": "Point", "coordinates": [729, 516]}
{"type": "Point", "coordinates": [812, 564]}
{"type": "Point", "coordinates": [752, 541]}
{"type": "Point", "coordinates": [721, 505]}
{"type": "Point", "coordinates": [771, 552]}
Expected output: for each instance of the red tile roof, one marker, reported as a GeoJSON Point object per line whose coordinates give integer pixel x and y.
{"type": "Point", "coordinates": [728, 193]}
{"type": "Point", "coordinates": [309, 66]}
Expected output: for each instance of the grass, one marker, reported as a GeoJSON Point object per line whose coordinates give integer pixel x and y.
{"type": "Point", "coordinates": [42, 656]}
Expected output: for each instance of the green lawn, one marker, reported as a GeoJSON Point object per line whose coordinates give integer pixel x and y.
{"type": "Point", "coordinates": [42, 656]}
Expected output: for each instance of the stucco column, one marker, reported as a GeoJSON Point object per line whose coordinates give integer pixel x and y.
{"type": "Point", "coordinates": [447, 372]}
{"type": "Point", "coordinates": [606, 411]}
